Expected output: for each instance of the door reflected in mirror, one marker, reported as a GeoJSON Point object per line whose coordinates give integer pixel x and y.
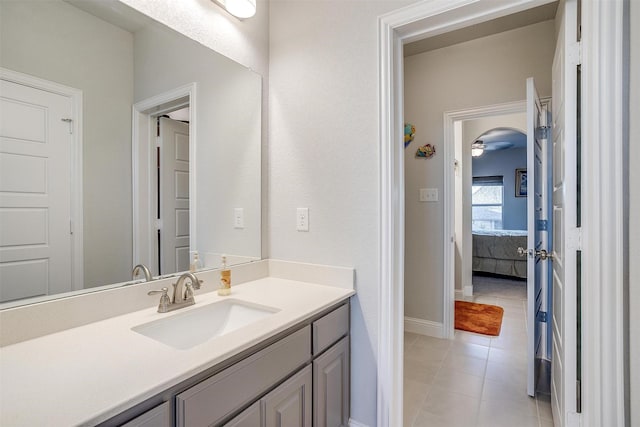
{"type": "Point", "coordinates": [81, 200]}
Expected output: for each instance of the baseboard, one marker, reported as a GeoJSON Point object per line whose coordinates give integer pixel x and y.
{"type": "Point", "coordinates": [353, 423]}
{"type": "Point", "coordinates": [424, 327]}
{"type": "Point", "coordinates": [465, 293]}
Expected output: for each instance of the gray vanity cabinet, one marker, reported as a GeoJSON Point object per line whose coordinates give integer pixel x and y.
{"type": "Point", "coordinates": [213, 400]}
{"type": "Point", "coordinates": [160, 416]}
{"type": "Point", "coordinates": [250, 417]}
{"type": "Point", "coordinates": [331, 386]}
{"type": "Point", "coordinates": [290, 405]}
{"type": "Point", "coordinates": [299, 378]}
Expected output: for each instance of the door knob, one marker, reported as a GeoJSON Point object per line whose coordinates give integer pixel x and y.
{"type": "Point", "coordinates": [542, 253]}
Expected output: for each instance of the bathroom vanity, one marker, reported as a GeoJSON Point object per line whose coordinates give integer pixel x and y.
{"type": "Point", "coordinates": [302, 374]}
{"type": "Point", "coordinates": [288, 367]}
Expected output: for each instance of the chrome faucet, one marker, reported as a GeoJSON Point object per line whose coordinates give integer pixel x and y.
{"type": "Point", "coordinates": [182, 293]}
{"type": "Point", "coordinates": [145, 270]}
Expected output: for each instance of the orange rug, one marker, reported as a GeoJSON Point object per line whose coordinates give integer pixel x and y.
{"type": "Point", "coordinates": [479, 318]}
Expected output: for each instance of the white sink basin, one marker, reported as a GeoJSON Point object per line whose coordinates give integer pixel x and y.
{"type": "Point", "coordinates": [198, 325]}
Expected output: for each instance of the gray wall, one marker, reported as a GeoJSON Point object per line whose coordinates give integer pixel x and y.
{"type": "Point", "coordinates": [504, 163]}
{"type": "Point", "coordinates": [55, 41]}
{"type": "Point", "coordinates": [485, 71]}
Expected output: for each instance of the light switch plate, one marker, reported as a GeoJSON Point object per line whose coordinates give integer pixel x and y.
{"type": "Point", "coordinates": [302, 219]}
{"type": "Point", "coordinates": [238, 218]}
{"type": "Point", "coordinates": [428, 194]}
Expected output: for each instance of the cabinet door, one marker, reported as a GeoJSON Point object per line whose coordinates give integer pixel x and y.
{"type": "Point", "coordinates": [331, 386]}
{"type": "Point", "coordinates": [213, 400]}
{"type": "Point", "coordinates": [289, 405]}
{"type": "Point", "coordinates": [250, 417]}
{"type": "Point", "coordinates": [160, 416]}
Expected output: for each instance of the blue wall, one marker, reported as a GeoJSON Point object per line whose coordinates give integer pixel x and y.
{"type": "Point", "coordinates": [505, 163]}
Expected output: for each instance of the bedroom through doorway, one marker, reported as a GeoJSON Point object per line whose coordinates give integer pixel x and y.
{"type": "Point", "coordinates": [495, 203]}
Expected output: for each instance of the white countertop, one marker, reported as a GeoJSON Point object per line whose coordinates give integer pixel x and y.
{"type": "Point", "coordinates": [86, 375]}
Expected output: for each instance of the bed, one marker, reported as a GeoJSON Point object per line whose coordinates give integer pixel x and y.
{"type": "Point", "coordinates": [496, 252]}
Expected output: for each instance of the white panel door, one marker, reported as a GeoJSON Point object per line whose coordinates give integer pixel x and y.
{"type": "Point", "coordinates": [564, 362]}
{"type": "Point", "coordinates": [35, 192]}
{"type": "Point", "coordinates": [174, 195]}
{"type": "Point", "coordinates": [537, 237]}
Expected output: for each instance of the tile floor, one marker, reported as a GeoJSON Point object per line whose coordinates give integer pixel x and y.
{"type": "Point", "coordinates": [475, 380]}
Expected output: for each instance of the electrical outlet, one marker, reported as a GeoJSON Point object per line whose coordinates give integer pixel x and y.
{"type": "Point", "coordinates": [238, 218]}
{"type": "Point", "coordinates": [302, 219]}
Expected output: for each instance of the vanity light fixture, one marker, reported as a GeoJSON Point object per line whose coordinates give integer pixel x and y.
{"type": "Point", "coordinates": [241, 9]}
{"type": "Point", "coordinates": [477, 148]}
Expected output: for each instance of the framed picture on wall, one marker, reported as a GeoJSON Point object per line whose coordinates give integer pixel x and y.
{"type": "Point", "coordinates": [521, 182]}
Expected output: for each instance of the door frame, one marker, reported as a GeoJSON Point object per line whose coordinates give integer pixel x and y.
{"type": "Point", "coordinates": [605, 48]}
{"type": "Point", "coordinates": [76, 208]}
{"type": "Point", "coordinates": [450, 118]}
{"type": "Point", "coordinates": [603, 102]}
{"type": "Point", "coordinates": [144, 137]}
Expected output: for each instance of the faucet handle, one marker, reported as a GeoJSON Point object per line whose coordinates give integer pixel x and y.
{"type": "Point", "coordinates": [188, 293]}
{"type": "Point", "coordinates": [163, 306]}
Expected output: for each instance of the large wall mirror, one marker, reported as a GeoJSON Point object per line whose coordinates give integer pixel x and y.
{"type": "Point", "coordinates": [121, 142]}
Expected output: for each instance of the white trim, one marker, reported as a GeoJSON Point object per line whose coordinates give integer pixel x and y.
{"type": "Point", "coordinates": [143, 137]}
{"type": "Point", "coordinates": [419, 20]}
{"type": "Point", "coordinates": [467, 291]}
{"type": "Point", "coordinates": [603, 110]}
{"type": "Point", "coordinates": [77, 212]}
{"type": "Point", "coordinates": [391, 232]}
{"type": "Point", "coordinates": [424, 327]}
{"type": "Point", "coordinates": [353, 423]}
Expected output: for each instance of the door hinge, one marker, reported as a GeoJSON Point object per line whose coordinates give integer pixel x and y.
{"type": "Point", "coordinates": [542, 317]}
{"type": "Point", "coordinates": [158, 224]}
{"type": "Point", "coordinates": [70, 122]}
{"type": "Point", "coordinates": [543, 132]}
{"type": "Point", "coordinates": [542, 225]}
{"type": "Point", "coordinates": [574, 53]}
{"type": "Point", "coordinates": [574, 239]}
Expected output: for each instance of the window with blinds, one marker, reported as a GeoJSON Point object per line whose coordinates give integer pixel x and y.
{"type": "Point", "coordinates": [487, 203]}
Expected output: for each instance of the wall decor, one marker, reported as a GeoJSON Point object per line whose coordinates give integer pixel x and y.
{"type": "Point", "coordinates": [521, 182]}
{"type": "Point", "coordinates": [426, 151]}
{"type": "Point", "coordinates": [409, 132]}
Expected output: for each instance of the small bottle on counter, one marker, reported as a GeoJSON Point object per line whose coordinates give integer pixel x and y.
{"type": "Point", "coordinates": [225, 278]}
{"type": "Point", "coordinates": [195, 264]}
